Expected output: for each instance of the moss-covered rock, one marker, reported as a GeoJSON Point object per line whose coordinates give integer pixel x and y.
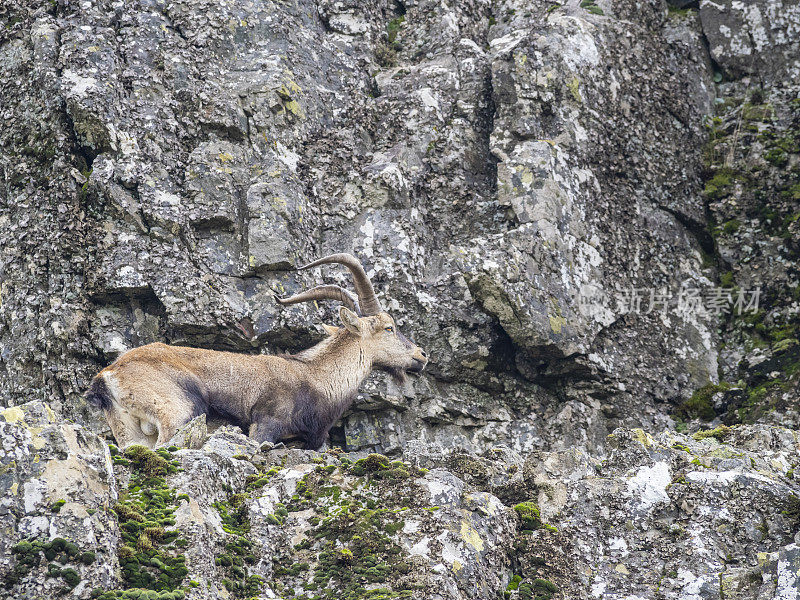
{"type": "Point", "coordinates": [529, 515]}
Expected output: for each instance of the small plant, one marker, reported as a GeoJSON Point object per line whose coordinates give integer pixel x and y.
{"type": "Point", "coordinates": [29, 554]}
{"type": "Point", "coordinates": [700, 405]}
{"type": "Point", "coordinates": [719, 433]}
{"type": "Point", "coordinates": [529, 515]}
{"type": "Point", "coordinates": [537, 589]}
{"type": "Point", "coordinates": [392, 29]}
{"type": "Point", "coordinates": [682, 13]}
{"type": "Point", "coordinates": [590, 6]}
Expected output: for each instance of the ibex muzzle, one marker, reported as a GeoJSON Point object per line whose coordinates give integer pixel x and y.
{"type": "Point", "coordinates": [149, 392]}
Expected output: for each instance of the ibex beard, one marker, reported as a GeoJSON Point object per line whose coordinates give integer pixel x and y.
{"type": "Point", "coordinates": [148, 393]}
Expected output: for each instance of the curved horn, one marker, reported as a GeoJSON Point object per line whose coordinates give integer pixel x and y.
{"type": "Point", "coordinates": [325, 292]}
{"type": "Point", "coordinates": [366, 293]}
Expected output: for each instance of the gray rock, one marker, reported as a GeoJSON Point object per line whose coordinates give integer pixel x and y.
{"type": "Point", "coordinates": [272, 217]}
{"type": "Point", "coordinates": [57, 482]}
{"type": "Point", "coordinates": [503, 184]}
{"type": "Point", "coordinates": [463, 179]}
{"type": "Point", "coordinates": [508, 172]}
{"type": "Point", "coordinates": [668, 505]}
{"type": "Point", "coordinates": [193, 435]}
{"type": "Point", "coordinates": [230, 442]}
{"type": "Point", "coordinates": [754, 37]}
{"type": "Point", "coordinates": [710, 514]}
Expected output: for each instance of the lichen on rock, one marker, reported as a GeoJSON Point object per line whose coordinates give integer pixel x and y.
{"type": "Point", "coordinates": [510, 173]}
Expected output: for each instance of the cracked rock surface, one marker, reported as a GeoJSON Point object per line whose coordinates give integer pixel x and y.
{"type": "Point", "coordinates": [711, 515]}
{"type": "Point", "coordinates": [475, 157]}
{"type": "Point", "coordinates": [508, 172]}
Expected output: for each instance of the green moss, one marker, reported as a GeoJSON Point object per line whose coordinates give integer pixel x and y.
{"type": "Point", "coordinates": [303, 545]}
{"type": "Point", "coordinates": [393, 28]}
{"type": "Point", "coordinates": [70, 577]}
{"type": "Point", "coordinates": [256, 482]}
{"type": "Point", "coordinates": [71, 549]}
{"type": "Point", "coordinates": [718, 433]}
{"type": "Point", "coordinates": [763, 528]}
{"type": "Point", "coordinates": [29, 553]}
{"type": "Point", "coordinates": [784, 345]}
{"type": "Point", "coordinates": [239, 550]}
{"type": "Point", "coordinates": [378, 467]}
{"type": "Point", "coordinates": [56, 506]}
{"type": "Point", "coordinates": [752, 319]}
{"type": "Point", "coordinates": [371, 464]}
{"type": "Point", "coordinates": [760, 398]}
{"type": "Point", "coordinates": [393, 528]}
{"type": "Point", "coordinates": [145, 510]}
{"type": "Point", "coordinates": [731, 227]}
{"type": "Point", "coordinates": [386, 52]}
{"type": "Point", "coordinates": [783, 332]}
{"type": "Point", "coordinates": [127, 512]}
{"type": "Point", "coordinates": [350, 551]}
{"type": "Point", "coordinates": [529, 515]}
{"type": "Point", "coordinates": [776, 156]}
{"type": "Point", "coordinates": [726, 279]}
{"type": "Point", "coordinates": [236, 500]}
{"type": "Point", "coordinates": [536, 589]}
{"type": "Point", "coordinates": [719, 185]}
{"type": "Point", "coordinates": [700, 405]}
{"type": "Point", "coordinates": [791, 509]}
{"type": "Point", "coordinates": [792, 192]}
{"type": "Point", "coordinates": [514, 583]}
{"type": "Point", "coordinates": [344, 555]}
{"type": "Point", "coordinates": [148, 462]}
{"type": "Point", "coordinates": [138, 594]}
{"type": "Point", "coordinates": [543, 589]}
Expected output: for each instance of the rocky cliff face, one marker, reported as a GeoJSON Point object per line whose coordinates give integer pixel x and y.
{"type": "Point", "coordinates": [712, 515]}
{"type": "Point", "coordinates": [518, 178]}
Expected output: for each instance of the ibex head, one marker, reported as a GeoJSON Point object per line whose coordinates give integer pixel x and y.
{"type": "Point", "coordinates": [362, 316]}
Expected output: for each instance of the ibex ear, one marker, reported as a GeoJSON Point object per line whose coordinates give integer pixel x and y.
{"type": "Point", "coordinates": [329, 329]}
{"type": "Point", "coordinates": [351, 321]}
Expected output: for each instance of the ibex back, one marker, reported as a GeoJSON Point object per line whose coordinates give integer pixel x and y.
{"type": "Point", "coordinates": [148, 393]}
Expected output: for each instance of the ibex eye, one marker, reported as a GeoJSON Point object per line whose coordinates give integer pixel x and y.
{"type": "Point", "coordinates": [390, 329]}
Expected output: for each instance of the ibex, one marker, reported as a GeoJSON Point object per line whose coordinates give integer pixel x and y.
{"type": "Point", "coordinates": [151, 391]}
